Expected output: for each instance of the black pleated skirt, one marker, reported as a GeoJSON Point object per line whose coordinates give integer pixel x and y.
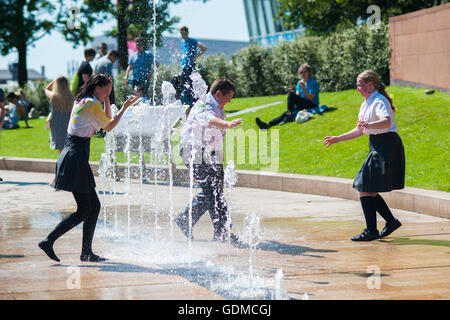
{"type": "Point", "coordinates": [73, 172]}
{"type": "Point", "coordinates": [384, 168]}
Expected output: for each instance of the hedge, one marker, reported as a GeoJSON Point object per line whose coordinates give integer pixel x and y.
{"type": "Point", "coordinates": [336, 60]}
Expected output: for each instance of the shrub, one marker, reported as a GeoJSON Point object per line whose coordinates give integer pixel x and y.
{"type": "Point", "coordinates": [336, 60]}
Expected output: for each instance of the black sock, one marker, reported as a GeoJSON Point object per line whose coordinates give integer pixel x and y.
{"type": "Point", "coordinates": [368, 205]}
{"type": "Point", "coordinates": [384, 210]}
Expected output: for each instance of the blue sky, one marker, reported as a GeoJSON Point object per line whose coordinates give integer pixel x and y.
{"type": "Point", "coordinates": [215, 19]}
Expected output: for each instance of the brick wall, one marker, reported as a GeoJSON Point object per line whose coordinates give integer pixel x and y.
{"type": "Point", "coordinates": [420, 48]}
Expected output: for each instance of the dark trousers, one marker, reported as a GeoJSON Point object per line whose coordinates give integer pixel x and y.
{"type": "Point", "coordinates": [187, 93]}
{"type": "Point", "coordinates": [294, 103]}
{"type": "Point", "coordinates": [88, 209]}
{"type": "Point", "coordinates": [211, 180]}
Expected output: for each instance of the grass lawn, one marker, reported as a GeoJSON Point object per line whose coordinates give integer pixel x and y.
{"type": "Point", "coordinates": [423, 122]}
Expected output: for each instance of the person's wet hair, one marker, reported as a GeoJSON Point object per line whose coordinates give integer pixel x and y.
{"type": "Point", "coordinates": [87, 90]}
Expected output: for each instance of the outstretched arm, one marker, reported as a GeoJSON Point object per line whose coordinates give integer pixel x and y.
{"type": "Point", "coordinates": [113, 123]}
{"type": "Point", "coordinates": [223, 124]}
{"type": "Point", "coordinates": [352, 134]}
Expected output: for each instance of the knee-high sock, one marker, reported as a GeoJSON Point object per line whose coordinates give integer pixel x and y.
{"type": "Point", "coordinates": [384, 210]}
{"type": "Point", "coordinates": [368, 205]}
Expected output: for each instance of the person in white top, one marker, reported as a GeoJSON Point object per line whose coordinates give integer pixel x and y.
{"type": "Point", "coordinates": [384, 168]}
{"type": "Point", "coordinates": [201, 149]}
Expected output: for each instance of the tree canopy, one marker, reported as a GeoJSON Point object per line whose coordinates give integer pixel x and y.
{"type": "Point", "coordinates": [23, 22]}
{"type": "Point", "coordinates": [326, 16]}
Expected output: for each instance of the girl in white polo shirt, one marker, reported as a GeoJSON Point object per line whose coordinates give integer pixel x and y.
{"type": "Point", "coordinates": [73, 172]}
{"type": "Point", "coordinates": [384, 168]}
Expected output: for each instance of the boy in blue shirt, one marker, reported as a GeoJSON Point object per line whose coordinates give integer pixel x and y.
{"type": "Point", "coordinates": [141, 63]}
{"type": "Point", "coordinates": [305, 97]}
{"type": "Point", "coordinates": [189, 54]}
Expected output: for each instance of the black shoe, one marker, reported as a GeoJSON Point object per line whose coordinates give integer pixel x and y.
{"type": "Point", "coordinates": [389, 228]}
{"type": "Point", "coordinates": [91, 257]}
{"type": "Point", "coordinates": [47, 247]}
{"type": "Point", "coordinates": [261, 124]}
{"type": "Point", "coordinates": [366, 235]}
{"type": "Point", "coordinates": [146, 180]}
{"type": "Point", "coordinates": [184, 228]}
{"type": "Point", "coordinates": [233, 240]}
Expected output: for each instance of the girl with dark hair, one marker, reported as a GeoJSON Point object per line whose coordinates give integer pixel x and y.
{"type": "Point", "coordinates": [384, 168]}
{"type": "Point", "coordinates": [73, 172]}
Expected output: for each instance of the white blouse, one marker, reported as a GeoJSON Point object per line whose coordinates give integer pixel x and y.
{"type": "Point", "coordinates": [377, 107]}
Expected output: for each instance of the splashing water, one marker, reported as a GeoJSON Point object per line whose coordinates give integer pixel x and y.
{"type": "Point", "coordinates": [280, 291]}
{"type": "Point", "coordinates": [199, 86]}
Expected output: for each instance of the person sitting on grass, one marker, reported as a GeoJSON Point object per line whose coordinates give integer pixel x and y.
{"type": "Point", "coordinates": [2, 112]}
{"type": "Point", "coordinates": [15, 112]}
{"type": "Point", "coordinates": [305, 97]}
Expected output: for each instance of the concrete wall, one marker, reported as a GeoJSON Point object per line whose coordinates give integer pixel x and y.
{"type": "Point", "coordinates": [420, 48]}
{"type": "Point", "coordinates": [435, 203]}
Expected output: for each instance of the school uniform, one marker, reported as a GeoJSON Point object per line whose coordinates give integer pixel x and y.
{"type": "Point", "coordinates": [202, 146]}
{"type": "Point", "coordinates": [74, 174]}
{"type": "Point", "coordinates": [384, 168]}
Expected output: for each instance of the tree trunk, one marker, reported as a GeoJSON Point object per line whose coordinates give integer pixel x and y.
{"type": "Point", "coordinates": [21, 46]}
{"type": "Point", "coordinates": [122, 37]}
{"type": "Point", "coordinates": [22, 73]}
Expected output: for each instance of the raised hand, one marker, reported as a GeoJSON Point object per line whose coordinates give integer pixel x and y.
{"type": "Point", "coordinates": [130, 101]}
{"type": "Point", "coordinates": [328, 141]}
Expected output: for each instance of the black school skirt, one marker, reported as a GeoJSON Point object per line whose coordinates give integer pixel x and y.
{"type": "Point", "coordinates": [384, 168]}
{"type": "Point", "coordinates": [73, 172]}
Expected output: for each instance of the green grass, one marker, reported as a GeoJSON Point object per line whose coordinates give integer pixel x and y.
{"type": "Point", "coordinates": [423, 122]}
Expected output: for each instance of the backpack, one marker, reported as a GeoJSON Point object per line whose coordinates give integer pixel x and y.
{"type": "Point", "coordinates": [74, 84]}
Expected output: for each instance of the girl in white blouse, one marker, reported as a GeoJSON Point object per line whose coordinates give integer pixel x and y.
{"type": "Point", "coordinates": [384, 168]}
{"type": "Point", "coordinates": [73, 172]}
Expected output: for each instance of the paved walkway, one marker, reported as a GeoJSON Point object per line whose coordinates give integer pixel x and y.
{"type": "Point", "coordinates": [253, 109]}
{"type": "Point", "coordinates": [306, 236]}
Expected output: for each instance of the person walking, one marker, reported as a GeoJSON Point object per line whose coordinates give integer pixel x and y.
{"type": "Point", "coordinates": [141, 65]}
{"type": "Point", "coordinates": [201, 149]}
{"type": "Point", "coordinates": [384, 168]}
{"type": "Point", "coordinates": [73, 172]}
{"type": "Point", "coordinates": [191, 50]}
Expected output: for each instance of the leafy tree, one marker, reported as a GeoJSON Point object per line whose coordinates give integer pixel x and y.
{"type": "Point", "coordinates": [23, 22]}
{"type": "Point", "coordinates": [326, 16]}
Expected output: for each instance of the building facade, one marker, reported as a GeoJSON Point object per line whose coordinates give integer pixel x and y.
{"type": "Point", "coordinates": [264, 27]}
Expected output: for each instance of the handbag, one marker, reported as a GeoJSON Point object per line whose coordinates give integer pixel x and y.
{"type": "Point", "coordinates": [303, 116]}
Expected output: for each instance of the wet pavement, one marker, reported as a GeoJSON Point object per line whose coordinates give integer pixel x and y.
{"type": "Point", "coordinates": [307, 237]}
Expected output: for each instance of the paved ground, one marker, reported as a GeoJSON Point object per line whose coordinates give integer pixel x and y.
{"type": "Point", "coordinates": [305, 236]}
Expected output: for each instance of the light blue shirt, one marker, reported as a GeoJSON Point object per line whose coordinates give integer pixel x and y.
{"type": "Point", "coordinates": [188, 52]}
{"type": "Point", "coordinates": [142, 64]}
{"type": "Point", "coordinates": [103, 66]}
{"type": "Point", "coordinates": [311, 87]}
